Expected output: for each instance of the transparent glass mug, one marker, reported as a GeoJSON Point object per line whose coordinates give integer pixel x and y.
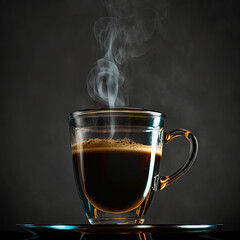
{"type": "Point", "coordinates": [116, 157]}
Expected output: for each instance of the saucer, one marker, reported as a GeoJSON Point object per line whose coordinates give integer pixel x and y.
{"type": "Point", "coordinates": [121, 229]}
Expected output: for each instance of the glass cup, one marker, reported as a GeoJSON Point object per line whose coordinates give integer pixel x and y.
{"type": "Point", "coordinates": [116, 157]}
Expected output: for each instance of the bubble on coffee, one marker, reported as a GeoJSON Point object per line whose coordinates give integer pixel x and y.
{"type": "Point", "coordinates": [124, 144]}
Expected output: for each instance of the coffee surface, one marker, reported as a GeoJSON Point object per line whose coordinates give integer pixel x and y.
{"type": "Point", "coordinates": [113, 173]}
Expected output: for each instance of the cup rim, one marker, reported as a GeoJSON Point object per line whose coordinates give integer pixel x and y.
{"type": "Point", "coordinates": [122, 110]}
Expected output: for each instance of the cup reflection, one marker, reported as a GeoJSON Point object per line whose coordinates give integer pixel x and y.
{"type": "Point", "coordinates": [139, 236]}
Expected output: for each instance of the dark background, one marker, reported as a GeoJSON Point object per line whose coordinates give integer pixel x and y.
{"type": "Point", "coordinates": [191, 73]}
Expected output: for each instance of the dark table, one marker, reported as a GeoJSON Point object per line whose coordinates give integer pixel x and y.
{"type": "Point", "coordinates": [70, 236]}
{"type": "Point", "coordinates": [217, 234]}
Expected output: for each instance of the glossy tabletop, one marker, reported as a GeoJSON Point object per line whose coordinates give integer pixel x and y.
{"type": "Point", "coordinates": [140, 232]}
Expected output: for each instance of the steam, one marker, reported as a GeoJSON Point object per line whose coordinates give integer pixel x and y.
{"type": "Point", "coordinates": [122, 36]}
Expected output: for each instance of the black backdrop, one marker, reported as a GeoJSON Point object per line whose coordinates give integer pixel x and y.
{"type": "Point", "coordinates": [191, 73]}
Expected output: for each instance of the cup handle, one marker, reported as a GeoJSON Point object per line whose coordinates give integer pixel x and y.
{"type": "Point", "coordinates": [161, 182]}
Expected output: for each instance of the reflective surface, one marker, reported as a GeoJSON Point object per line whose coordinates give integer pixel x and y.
{"type": "Point", "coordinates": [123, 229]}
{"type": "Point", "coordinates": [147, 236]}
{"type": "Point", "coordinates": [128, 232]}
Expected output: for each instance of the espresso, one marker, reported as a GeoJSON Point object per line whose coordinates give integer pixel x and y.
{"type": "Point", "coordinates": [114, 173]}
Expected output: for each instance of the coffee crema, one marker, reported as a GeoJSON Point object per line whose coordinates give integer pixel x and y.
{"type": "Point", "coordinates": [114, 173]}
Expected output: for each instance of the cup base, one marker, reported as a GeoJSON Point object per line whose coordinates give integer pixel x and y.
{"type": "Point", "coordinates": [116, 221]}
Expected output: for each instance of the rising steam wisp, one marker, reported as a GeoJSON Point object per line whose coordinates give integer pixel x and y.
{"type": "Point", "coordinates": [122, 36]}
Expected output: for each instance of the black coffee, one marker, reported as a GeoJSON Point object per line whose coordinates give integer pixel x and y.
{"type": "Point", "coordinates": [114, 174]}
